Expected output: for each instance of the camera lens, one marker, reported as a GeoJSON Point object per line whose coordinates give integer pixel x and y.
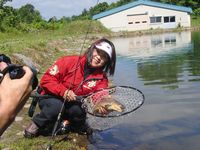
{"type": "Point", "coordinates": [16, 72]}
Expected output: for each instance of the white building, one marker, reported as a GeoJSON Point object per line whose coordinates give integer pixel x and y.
{"type": "Point", "coordinates": [144, 15]}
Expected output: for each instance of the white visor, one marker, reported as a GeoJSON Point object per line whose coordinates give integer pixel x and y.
{"type": "Point", "coordinates": [104, 46]}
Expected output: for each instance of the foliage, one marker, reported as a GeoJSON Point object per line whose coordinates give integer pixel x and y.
{"type": "Point", "coordinates": [98, 8]}
{"type": "Point", "coordinates": [28, 14]}
{"type": "Point", "coordinates": [2, 2]}
{"type": "Point", "coordinates": [194, 4]}
{"type": "Point", "coordinates": [197, 12]}
{"type": "Point", "coordinates": [195, 21]}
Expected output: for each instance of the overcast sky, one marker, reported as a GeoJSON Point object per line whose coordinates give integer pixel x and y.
{"type": "Point", "coordinates": [58, 8]}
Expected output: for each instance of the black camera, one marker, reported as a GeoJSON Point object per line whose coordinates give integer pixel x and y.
{"type": "Point", "coordinates": [17, 72]}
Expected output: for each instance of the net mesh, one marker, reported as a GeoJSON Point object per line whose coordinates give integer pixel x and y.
{"type": "Point", "coordinates": [100, 123]}
{"type": "Point", "coordinates": [130, 98]}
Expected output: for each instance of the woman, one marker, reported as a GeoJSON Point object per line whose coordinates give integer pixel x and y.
{"type": "Point", "coordinates": [73, 76]}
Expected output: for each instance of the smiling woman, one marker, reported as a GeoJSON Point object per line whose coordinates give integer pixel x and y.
{"type": "Point", "coordinates": [69, 77]}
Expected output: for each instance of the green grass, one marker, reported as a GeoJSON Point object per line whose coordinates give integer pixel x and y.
{"type": "Point", "coordinates": [41, 143]}
{"type": "Point", "coordinates": [45, 45]}
{"type": "Point", "coordinates": [17, 42]}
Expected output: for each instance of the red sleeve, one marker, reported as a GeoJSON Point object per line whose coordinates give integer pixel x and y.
{"type": "Point", "coordinates": [51, 80]}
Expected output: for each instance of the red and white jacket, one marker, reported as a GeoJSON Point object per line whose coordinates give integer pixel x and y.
{"type": "Point", "coordinates": [66, 74]}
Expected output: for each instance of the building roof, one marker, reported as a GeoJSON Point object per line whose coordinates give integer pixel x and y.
{"type": "Point", "coordinates": [142, 2]}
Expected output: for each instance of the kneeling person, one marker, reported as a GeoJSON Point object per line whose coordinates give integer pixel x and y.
{"type": "Point", "coordinates": [69, 77]}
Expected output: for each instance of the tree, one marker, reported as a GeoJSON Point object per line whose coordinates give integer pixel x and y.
{"type": "Point", "coordinates": [98, 8]}
{"type": "Point", "coordinates": [2, 2]}
{"type": "Point", "coordinates": [8, 18]}
{"type": "Point", "coordinates": [197, 12]}
{"type": "Point", "coordinates": [188, 3]}
{"type": "Point", "coordinates": [28, 14]}
{"type": "Point", "coordinates": [194, 4]}
{"type": "Point", "coordinates": [122, 2]}
{"type": "Point", "coordinates": [52, 19]}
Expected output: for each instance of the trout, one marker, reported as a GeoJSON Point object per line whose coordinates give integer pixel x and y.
{"type": "Point", "coordinates": [109, 104]}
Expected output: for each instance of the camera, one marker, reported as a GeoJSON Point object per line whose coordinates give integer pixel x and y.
{"type": "Point", "coordinates": [17, 72]}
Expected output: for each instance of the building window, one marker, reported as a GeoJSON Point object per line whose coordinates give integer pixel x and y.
{"type": "Point", "coordinates": [172, 19]}
{"type": "Point", "coordinates": [137, 22]}
{"type": "Point", "coordinates": [155, 19]}
{"type": "Point", "coordinates": [130, 22]}
{"type": "Point", "coordinates": [169, 19]}
{"type": "Point", "coordinates": [166, 19]}
{"type": "Point", "coordinates": [144, 21]}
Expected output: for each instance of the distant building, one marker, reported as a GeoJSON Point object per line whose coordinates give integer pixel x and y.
{"type": "Point", "coordinates": [143, 15]}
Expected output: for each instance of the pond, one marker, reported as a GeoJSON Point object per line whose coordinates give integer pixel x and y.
{"type": "Point", "coordinates": [166, 68]}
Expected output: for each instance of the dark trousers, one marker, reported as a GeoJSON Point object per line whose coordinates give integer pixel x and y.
{"type": "Point", "coordinates": [51, 107]}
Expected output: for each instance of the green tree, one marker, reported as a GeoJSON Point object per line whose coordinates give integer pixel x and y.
{"type": "Point", "coordinates": [98, 8]}
{"type": "Point", "coordinates": [28, 14]}
{"type": "Point", "coordinates": [194, 4]}
{"type": "Point", "coordinates": [65, 19]}
{"type": "Point", "coordinates": [2, 2]}
{"type": "Point", "coordinates": [8, 18]}
{"type": "Point", "coordinates": [122, 2]}
{"type": "Point", "coordinates": [196, 12]}
{"type": "Point", "coordinates": [2, 13]}
{"type": "Point", "coordinates": [52, 19]}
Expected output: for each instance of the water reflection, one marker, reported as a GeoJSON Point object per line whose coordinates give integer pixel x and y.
{"type": "Point", "coordinates": [165, 135]}
{"type": "Point", "coordinates": [153, 45]}
{"type": "Point", "coordinates": [165, 59]}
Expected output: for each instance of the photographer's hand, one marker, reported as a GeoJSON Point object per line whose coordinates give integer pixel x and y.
{"type": "Point", "coordinates": [13, 96]}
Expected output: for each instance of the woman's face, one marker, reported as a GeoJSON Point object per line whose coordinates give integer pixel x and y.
{"type": "Point", "coordinates": [98, 59]}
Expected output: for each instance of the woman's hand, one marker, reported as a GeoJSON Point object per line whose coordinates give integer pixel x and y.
{"type": "Point", "coordinates": [69, 95]}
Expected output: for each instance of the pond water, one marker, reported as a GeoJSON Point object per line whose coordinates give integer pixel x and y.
{"type": "Point", "coordinates": [166, 68]}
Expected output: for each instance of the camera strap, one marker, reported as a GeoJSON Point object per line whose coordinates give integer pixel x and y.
{"type": "Point", "coordinates": [35, 99]}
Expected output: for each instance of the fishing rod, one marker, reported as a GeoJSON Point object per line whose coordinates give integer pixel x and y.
{"type": "Point", "coordinates": [49, 147]}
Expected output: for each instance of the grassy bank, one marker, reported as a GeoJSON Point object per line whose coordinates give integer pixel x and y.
{"type": "Point", "coordinates": [48, 45]}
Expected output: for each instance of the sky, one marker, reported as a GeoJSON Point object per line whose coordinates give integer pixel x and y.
{"type": "Point", "coordinates": [58, 8]}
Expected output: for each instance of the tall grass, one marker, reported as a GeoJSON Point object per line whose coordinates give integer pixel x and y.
{"type": "Point", "coordinates": [17, 42]}
{"type": "Point", "coordinates": [36, 45]}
